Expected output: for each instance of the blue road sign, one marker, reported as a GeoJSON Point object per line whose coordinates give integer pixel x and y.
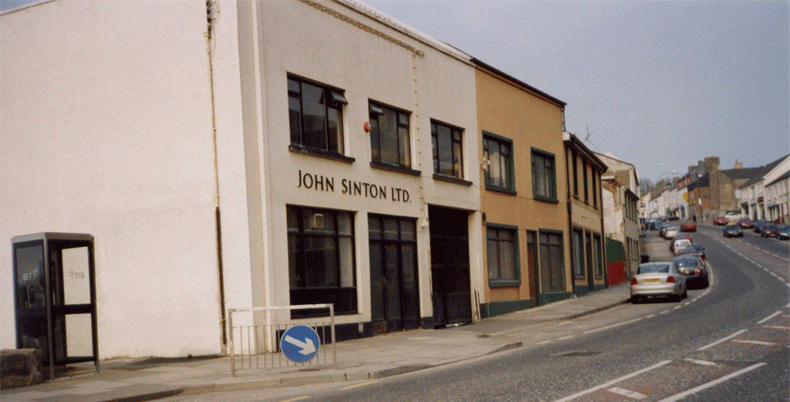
{"type": "Point", "coordinates": [300, 344]}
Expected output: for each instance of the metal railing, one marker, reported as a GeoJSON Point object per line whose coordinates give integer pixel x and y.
{"type": "Point", "coordinates": [259, 345]}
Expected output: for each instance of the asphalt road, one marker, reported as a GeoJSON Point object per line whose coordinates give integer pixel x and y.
{"type": "Point", "coordinates": [729, 342]}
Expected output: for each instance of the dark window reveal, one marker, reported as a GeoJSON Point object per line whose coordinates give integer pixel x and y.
{"type": "Point", "coordinates": [316, 115]}
{"type": "Point", "coordinates": [447, 150]}
{"type": "Point", "coordinates": [389, 136]}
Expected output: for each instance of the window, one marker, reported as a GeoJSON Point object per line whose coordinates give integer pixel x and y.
{"type": "Point", "coordinates": [316, 115]}
{"type": "Point", "coordinates": [552, 261]}
{"type": "Point", "coordinates": [595, 189]}
{"type": "Point", "coordinates": [575, 176]}
{"type": "Point", "coordinates": [502, 255]}
{"type": "Point", "coordinates": [597, 256]}
{"type": "Point", "coordinates": [447, 150]}
{"type": "Point", "coordinates": [584, 177]}
{"type": "Point", "coordinates": [389, 136]}
{"type": "Point", "coordinates": [578, 254]}
{"type": "Point", "coordinates": [498, 152]}
{"type": "Point", "coordinates": [321, 258]}
{"type": "Point", "coordinates": [588, 248]}
{"type": "Point", "coordinates": [543, 176]}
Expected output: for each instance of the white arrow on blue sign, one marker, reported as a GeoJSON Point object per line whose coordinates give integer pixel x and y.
{"type": "Point", "coordinates": [300, 344]}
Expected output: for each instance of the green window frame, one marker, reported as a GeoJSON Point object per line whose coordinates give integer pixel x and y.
{"type": "Point", "coordinates": [502, 256]}
{"type": "Point", "coordinates": [499, 171]}
{"type": "Point", "coordinates": [578, 254]}
{"type": "Point", "coordinates": [598, 256]}
{"type": "Point", "coordinates": [544, 176]}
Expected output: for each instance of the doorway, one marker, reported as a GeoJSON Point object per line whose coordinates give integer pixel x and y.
{"type": "Point", "coordinates": [394, 295]}
{"type": "Point", "coordinates": [449, 230]}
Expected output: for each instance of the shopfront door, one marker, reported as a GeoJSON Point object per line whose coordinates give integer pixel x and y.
{"type": "Point", "coordinates": [393, 273]}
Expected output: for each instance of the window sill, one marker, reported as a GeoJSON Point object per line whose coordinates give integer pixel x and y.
{"type": "Point", "coordinates": [502, 190]}
{"type": "Point", "coordinates": [451, 179]}
{"type": "Point", "coordinates": [502, 283]}
{"type": "Point", "coordinates": [393, 168]}
{"type": "Point", "coordinates": [299, 149]}
{"type": "Point", "coordinates": [546, 199]}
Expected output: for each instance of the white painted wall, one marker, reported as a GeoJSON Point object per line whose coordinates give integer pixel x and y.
{"type": "Point", "coordinates": [106, 130]}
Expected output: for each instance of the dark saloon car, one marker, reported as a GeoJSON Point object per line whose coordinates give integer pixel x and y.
{"type": "Point", "coordinates": [692, 249]}
{"type": "Point", "coordinates": [693, 269]}
{"type": "Point", "coordinates": [758, 225]}
{"type": "Point", "coordinates": [769, 230]}
{"type": "Point", "coordinates": [783, 232]}
{"type": "Point", "coordinates": [733, 231]}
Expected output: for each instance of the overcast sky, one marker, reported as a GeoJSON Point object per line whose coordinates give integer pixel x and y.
{"type": "Point", "coordinates": [660, 84]}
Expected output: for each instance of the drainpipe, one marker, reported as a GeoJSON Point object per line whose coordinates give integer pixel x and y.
{"type": "Point", "coordinates": [212, 13]}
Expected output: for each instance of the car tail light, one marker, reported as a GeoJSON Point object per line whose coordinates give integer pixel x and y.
{"type": "Point", "coordinates": [634, 281]}
{"type": "Point", "coordinates": [670, 279]}
{"type": "Point", "coordinates": [697, 271]}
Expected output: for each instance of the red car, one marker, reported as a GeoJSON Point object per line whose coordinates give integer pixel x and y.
{"type": "Point", "coordinates": [720, 221]}
{"type": "Point", "coordinates": [688, 227]}
{"type": "Point", "coordinates": [745, 224]}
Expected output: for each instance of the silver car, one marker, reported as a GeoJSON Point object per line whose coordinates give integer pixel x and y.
{"type": "Point", "coordinates": [658, 279]}
{"type": "Point", "coordinates": [670, 232]}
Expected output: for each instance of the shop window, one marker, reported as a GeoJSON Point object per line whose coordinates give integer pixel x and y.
{"type": "Point", "coordinates": [447, 150]}
{"type": "Point", "coordinates": [389, 136]}
{"type": "Point", "coordinates": [321, 258]}
{"type": "Point", "coordinates": [502, 255]}
{"type": "Point", "coordinates": [316, 116]}
{"type": "Point", "coordinates": [552, 261]}
{"type": "Point", "coordinates": [544, 182]}
{"type": "Point", "coordinates": [498, 154]}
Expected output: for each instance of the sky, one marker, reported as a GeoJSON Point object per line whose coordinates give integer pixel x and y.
{"type": "Point", "coordinates": [659, 84]}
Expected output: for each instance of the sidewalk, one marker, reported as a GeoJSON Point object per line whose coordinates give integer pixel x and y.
{"type": "Point", "coordinates": [376, 357]}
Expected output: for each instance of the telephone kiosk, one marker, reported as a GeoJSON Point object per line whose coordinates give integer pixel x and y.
{"type": "Point", "coordinates": [55, 297]}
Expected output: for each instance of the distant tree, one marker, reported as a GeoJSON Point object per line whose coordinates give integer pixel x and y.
{"type": "Point", "coordinates": [646, 185]}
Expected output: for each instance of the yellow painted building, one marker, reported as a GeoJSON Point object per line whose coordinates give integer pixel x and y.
{"type": "Point", "coordinates": [523, 194]}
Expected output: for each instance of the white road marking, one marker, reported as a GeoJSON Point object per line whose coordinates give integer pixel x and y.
{"type": "Point", "coordinates": [615, 381]}
{"type": "Point", "coordinates": [664, 312]}
{"type": "Point", "coordinates": [651, 316]}
{"type": "Point", "coordinates": [626, 392]}
{"type": "Point", "coordinates": [565, 337]}
{"type": "Point", "coordinates": [613, 326]}
{"type": "Point", "coordinates": [359, 385]}
{"type": "Point", "coordinates": [694, 390]}
{"type": "Point", "coordinates": [764, 320]}
{"type": "Point", "coordinates": [756, 342]}
{"type": "Point", "coordinates": [701, 362]}
{"type": "Point", "coordinates": [544, 342]}
{"type": "Point", "coordinates": [722, 340]}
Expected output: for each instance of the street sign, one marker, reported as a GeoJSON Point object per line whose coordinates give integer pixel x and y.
{"type": "Point", "coordinates": [300, 344]}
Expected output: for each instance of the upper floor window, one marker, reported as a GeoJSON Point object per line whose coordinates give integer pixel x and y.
{"type": "Point", "coordinates": [389, 136]}
{"type": "Point", "coordinates": [447, 150]}
{"type": "Point", "coordinates": [316, 115]}
{"type": "Point", "coordinates": [595, 184]}
{"type": "Point", "coordinates": [544, 178]}
{"type": "Point", "coordinates": [498, 153]}
{"type": "Point", "coordinates": [575, 176]}
{"type": "Point", "coordinates": [584, 177]}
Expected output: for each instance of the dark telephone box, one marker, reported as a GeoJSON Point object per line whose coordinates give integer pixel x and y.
{"type": "Point", "coordinates": [55, 297]}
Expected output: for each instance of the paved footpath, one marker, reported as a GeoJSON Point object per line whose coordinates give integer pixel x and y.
{"type": "Point", "coordinates": [360, 359]}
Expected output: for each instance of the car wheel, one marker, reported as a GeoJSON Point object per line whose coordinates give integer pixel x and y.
{"type": "Point", "coordinates": [634, 299]}
{"type": "Point", "coordinates": [685, 294]}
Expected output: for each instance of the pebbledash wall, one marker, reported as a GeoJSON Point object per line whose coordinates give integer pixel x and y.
{"type": "Point", "coordinates": [126, 123]}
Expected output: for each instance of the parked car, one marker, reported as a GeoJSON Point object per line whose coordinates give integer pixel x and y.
{"type": "Point", "coordinates": [670, 232]}
{"type": "Point", "coordinates": [769, 230]}
{"type": "Point", "coordinates": [783, 232]}
{"type": "Point", "coordinates": [688, 227]}
{"type": "Point", "coordinates": [673, 218]}
{"type": "Point", "coordinates": [662, 228]}
{"type": "Point", "coordinates": [692, 248]}
{"type": "Point", "coordinates": [658, 279]}
{"type": "Point", "coordinates": [758, 225]}
{"type": "Point", "coordinates": [693, 269]}
{"type": "Point", "coordinates": [745, 223]}
{"type": "Point", "coordinates": [733, 231]}
{"type": "Point", "coordinates": [720, 221]}
{"type": "Point", "coordinates": [679, 243]}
